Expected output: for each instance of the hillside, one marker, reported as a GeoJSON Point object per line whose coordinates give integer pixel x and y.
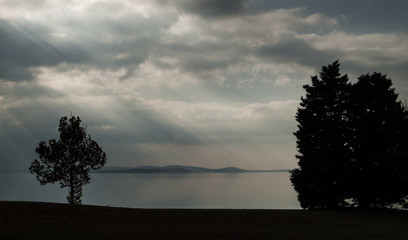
{"type": "Point", "coordinates": [28, 220]}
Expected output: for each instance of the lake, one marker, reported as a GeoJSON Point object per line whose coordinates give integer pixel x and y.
{"type": "Point", "coordinates": [265, 190]}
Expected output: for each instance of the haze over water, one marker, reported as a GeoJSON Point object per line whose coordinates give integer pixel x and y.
{"type": "Point", "coordinates": [170, 190]}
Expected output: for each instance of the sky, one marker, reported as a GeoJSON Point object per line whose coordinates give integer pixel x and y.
{"type": "Point", "coordinates": [211, 83]}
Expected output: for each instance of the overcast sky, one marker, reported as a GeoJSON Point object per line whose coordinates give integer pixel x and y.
{"type": "Point", "coordinates": [208, 83]}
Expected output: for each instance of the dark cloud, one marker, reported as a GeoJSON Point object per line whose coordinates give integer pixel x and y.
{"type": "Point", "coordinates": [214, 8]}
{"type": "Point", "coordinates": [209, 8]}
{"type": "Point", "coordinates": [298, 51]}
{"type": "Point", "coordinates": [22, 48]}
{"type": "Point", "coordinates": [19, 52]}
{"type": "Point", "coordinates": [356, 16]}
{"type": "Point", "coordinates": [27, 45]}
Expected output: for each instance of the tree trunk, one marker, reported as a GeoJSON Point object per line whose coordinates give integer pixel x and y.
{"type": "Point", "coordinates": [71, 190]}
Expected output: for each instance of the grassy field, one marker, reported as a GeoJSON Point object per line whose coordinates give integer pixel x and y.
{"type": "Point", "coordinates": [28, 220]}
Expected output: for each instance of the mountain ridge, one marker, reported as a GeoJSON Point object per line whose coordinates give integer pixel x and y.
{"type": "Point", "coordinates": [180, 169]}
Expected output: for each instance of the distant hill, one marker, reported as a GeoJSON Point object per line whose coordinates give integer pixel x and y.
{"type": "Point", "coordinates": [179, 169]}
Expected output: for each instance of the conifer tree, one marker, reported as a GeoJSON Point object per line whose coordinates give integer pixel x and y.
{"type": "Point", "coordinates": [69, 159]}
{"type": "Point", "coordinates": [379, 145]}
{"type": "Point", "coordinates": [322, 141]}
{"type": "Point", "coordinates": [352, 142]}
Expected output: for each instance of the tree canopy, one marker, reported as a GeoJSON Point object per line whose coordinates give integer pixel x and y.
{"type": "Point", "coordinates": [69, 159]}
{"type": "Point", "coordinates": [352, 142]}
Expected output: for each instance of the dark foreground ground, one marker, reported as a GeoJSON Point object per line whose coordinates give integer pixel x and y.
{"type": "Point", "coordinates": [27, 220]}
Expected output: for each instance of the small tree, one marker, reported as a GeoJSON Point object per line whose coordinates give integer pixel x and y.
{"type": "Point", "coordinates": [68, 160]}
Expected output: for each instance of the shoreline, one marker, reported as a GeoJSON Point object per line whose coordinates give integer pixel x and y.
{"type": "Point", "coordinates": [38, 220]}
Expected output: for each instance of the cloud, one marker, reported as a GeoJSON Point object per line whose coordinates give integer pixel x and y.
{"type": "Point", "coordinates": [243, 121]}
{"type": "Point", "coordinates": [208, 8]}
{"type": "Point", "coordinates": [371, 16]}
{"type": "Point", "coordinates": [23, 49]}
{"type": "Point", "coordinates": [226, 50]}
{"type": "Point", "coordinates": [376, 49]}
{"type": "Point", "coordinates": [177, 81]}
{"type": "Point", "coordinates": [295, 50]}
{"type": "Point", "coordinates": [98, 34]}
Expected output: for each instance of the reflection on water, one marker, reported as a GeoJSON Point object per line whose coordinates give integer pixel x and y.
{"type": "Point", "coordinates": [194, 190]}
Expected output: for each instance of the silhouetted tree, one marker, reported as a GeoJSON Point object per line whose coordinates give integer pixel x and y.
{"type": "Point", "coordinates": [352, 142]}
{"type": "Point", "coordinates": [322, 141]}
{"type": "Point", "coordinates": [68, 160]}
{"type": "Point", "coordinates": [379, 123]}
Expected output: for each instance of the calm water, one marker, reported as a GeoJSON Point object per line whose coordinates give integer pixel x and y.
{"type": "Point", "coordinates": [196, 190]}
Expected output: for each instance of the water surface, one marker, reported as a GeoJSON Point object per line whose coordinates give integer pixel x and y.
{"type": "Point", "coordinates": [170, 190]}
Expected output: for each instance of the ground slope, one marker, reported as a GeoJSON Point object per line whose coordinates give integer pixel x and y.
{"type": "Point", "coordinates": [27, 220]}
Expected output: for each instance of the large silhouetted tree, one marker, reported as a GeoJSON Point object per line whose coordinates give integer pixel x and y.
{"type": "Point", "coordinates": [379, 144]}
{"type": "Point", "coordinates": [69, 159]}
{"type": "Point", "coordinates": [322, 140]}
{"type": "Point", "coordinates": [352, 141]}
